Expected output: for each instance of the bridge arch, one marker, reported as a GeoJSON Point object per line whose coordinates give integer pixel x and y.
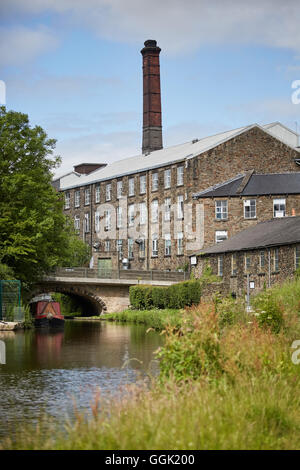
{"type": "Point", "coordinates": [97, 304]}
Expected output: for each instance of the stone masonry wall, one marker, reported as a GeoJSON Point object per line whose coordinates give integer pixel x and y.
{"type": "Point", "coordinates": [253, 149]}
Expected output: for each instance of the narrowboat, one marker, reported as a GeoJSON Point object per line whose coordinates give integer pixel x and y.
{"type": "Point", "coordinates": [46, 312]}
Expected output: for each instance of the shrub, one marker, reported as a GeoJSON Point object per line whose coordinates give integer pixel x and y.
{"type": "Point", "coordinates": [179, 295]}
{"type": "Point", "coordinates": [194, 349]}
{"type": "Point", "coordinates": [268, 311]}
{"type": "Point", "coordinates": [230, 311]}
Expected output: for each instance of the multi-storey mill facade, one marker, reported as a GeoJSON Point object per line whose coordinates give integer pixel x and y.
{"type": "Point", "coordinates": [142, 208]}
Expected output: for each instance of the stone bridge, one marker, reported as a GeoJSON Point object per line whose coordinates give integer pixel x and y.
{"type": "Point", "coordinates": [105, 291]}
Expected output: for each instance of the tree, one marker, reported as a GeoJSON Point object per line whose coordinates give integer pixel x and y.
{"type": "Point", "coordinates": [34, 233]}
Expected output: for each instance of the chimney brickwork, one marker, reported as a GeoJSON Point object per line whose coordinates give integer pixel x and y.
{"type": "Point", "coordinates": [152, 126]}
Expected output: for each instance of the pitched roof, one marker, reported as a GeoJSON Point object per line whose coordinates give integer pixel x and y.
{"type": "Point", "coordinates": [162, 157]}
{"type": "Point", "coordinates": [257, 185]}
{"type": "Point", "coordinates": [275, 232]}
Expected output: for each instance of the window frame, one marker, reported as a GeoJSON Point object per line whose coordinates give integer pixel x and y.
{"type": "Point", "coordinates": [167, 178]}
{"type": "Point", "coordinates": [131, 189]}
{"type": "Point", "coordinates": [276, 202]}
{"type": "Point", "coordinates": [143, 184]}
{"type": "Point", "coordinates": [180, 175]}
{"type": "Point", "coordinates": [219, 232]}
{"type": "Point", "coordinates": [249, 214]}
{"type": "Point", "coordinates": [108, 192]}
{"type": "Point", "coordinates": [223, 213]}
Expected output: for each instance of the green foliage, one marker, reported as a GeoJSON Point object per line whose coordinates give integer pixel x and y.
{"type": "Point", "coordinates": [34, 233]}
{"type": "Point", "coordinates": [193, 350]}
{"type": "Point", "coordinates": [268, 311]}
{"type": "Point", "coordinates": [176, 296]}
{"type": "Point", "coordinates": [230, 311]}
{"type": "Point", "coordinates": [6, 272]}
{"type": "Point", "coordinates": [28, 320]}
{"type": "Point", "coordinates": [154, 318]}
{"type": "Point", "coordinates": [78, 253]}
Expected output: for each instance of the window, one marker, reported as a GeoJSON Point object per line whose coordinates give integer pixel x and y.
{"type": "Point", "coordinates": [143, 213]}
{"type": "Point", "coordinates": [154, 181]}
{"type": "Point", "coordinates": [247, 262]}
{"type": "Point", "coordinates": [154, 211]}
{"type": "Point", "coordinates": [297, 257]}
{"type": "Point", "coordinates": [143, 184]}
{"type": "Point", "coordinates": [97, 193]}
{"type": "Point", "coordinates": [167, 209]}
{"type": "Point", "coordinates": [131, 187]}
{"type": "Point", "coordinates": [130, 248]}
{"type": "Point", "coordinates": [120, 249]}
{"type": "Point", "coordinates": [77, 222]}
{"type": "Point", "coordinates": [233, 265]}
{"type": "Point", "coordinates": [77, 199]}
{"type": "Point", "coordinates": [97, 221]}
{"type": "Point", "coordinates": [107, 217]}
{"type": "Point", "coordinates": [221, 235]}
{"type": "Point", "coordinates": [142, 249]}
{"type": "Point", "coordinates": [276, 259]}
{"type": "Point", "coordinates": [155, 245]}
{"type": "Point", "coordinates": [86, 223]}
{"type": "Point", "coordinates": [167, 244]}
{"type": "Point", "coordinates": [131, 215]}
{"type": "Point", "coordinates": [180, 207]}
{"type": "Point", "coordinates": [179, 175]}
{"type": "Point", "coordinates": [119, 217]}
{"type": "Point", "coordinates": [108, 192]}
{"type": "Point", "coordinates": [279, 207]}
{"type": "Point", "coordinates": [250, 209]}
{"type": "Point", "coordinates": [220, 266]}
{"type": "Point", "coordinates": [119, 189]}
{"type": "Point", "coordinates": [87, 196]}
{"type": "Point", "coordinates": [67, 200]}
{"type": "Point", "coordinates": [262, 259]}
{"type": "Point", "coordinates": [221, 210]}
{"type": "Point", "coordinates": [167, 178]}
{"type": "Point", "coordinates": [107, 245]}
{"type": "Point", "coordinates": [180, 243]}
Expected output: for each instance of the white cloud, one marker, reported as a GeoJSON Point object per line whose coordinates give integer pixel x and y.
{"type": "Point", "coordinates": [97, 147]}
{"type": "Point", "coordinates": [178, 25]}
{"type": "Point", "coordinates": [19, 45]}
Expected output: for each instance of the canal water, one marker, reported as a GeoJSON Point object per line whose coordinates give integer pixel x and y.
{"type": "Point", "coordinates": [46, 371]}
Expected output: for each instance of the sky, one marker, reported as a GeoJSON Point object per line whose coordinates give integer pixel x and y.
{"type": "Point", "coordinates": [75, 68]}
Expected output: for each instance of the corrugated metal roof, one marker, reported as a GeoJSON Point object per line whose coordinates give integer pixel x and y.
{"type": "Point", "coordinates": [275, 232]}
{"type": "Point", "coordinates": [157, 158]}
{"type": "Point", "coordinates": [160, 158]}
{"type": "Point", "coordinates": [258, 185]}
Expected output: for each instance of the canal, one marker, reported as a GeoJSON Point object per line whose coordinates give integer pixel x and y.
{"type": "Point", "coordinates": [46, 371]}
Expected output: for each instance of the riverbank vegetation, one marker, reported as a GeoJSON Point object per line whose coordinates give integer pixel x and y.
{"type": "Point", "coordinates": [227, 381]}
{"type": "Point", "coordinates": [153, 318]}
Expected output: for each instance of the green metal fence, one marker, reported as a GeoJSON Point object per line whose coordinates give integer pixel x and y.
{"type": "Point", "coordinates": [10, 301]}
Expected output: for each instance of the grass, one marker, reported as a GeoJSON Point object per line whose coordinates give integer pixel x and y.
{"type": "Point", "coordinates": [226, 382]}
{"type": "Point", "coordinates": [154, 318]}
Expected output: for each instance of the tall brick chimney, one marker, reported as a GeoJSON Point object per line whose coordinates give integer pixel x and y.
{"type": "Point", "coordinates": [152, 128]}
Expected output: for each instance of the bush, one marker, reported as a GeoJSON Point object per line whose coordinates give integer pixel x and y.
{"type": "Point", "coordinates": [179, 295]}
{"type": "Point", "coordinates": [230, 311]}
{"type": "Point", "coordinates": [268, 311]}
{"type": "Point", "coordinates": [194, 349]}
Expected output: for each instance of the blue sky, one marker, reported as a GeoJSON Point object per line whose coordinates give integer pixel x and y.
{"type": "Point", "coordinates": [75, 67]}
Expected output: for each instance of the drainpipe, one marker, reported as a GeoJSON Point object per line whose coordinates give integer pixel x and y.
{"type": "Point", "coordinates": [269, 273]}
{"type": "Point", "coordinates": [148, 219]}
{"type": "Point", "coordinates": [91, 217]}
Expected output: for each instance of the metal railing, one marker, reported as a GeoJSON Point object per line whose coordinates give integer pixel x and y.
{"type": "Point", "coordinates": [129, 274]}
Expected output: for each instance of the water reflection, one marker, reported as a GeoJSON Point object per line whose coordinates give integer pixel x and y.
{"type": "Point", "coordinates": [45, 369]}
